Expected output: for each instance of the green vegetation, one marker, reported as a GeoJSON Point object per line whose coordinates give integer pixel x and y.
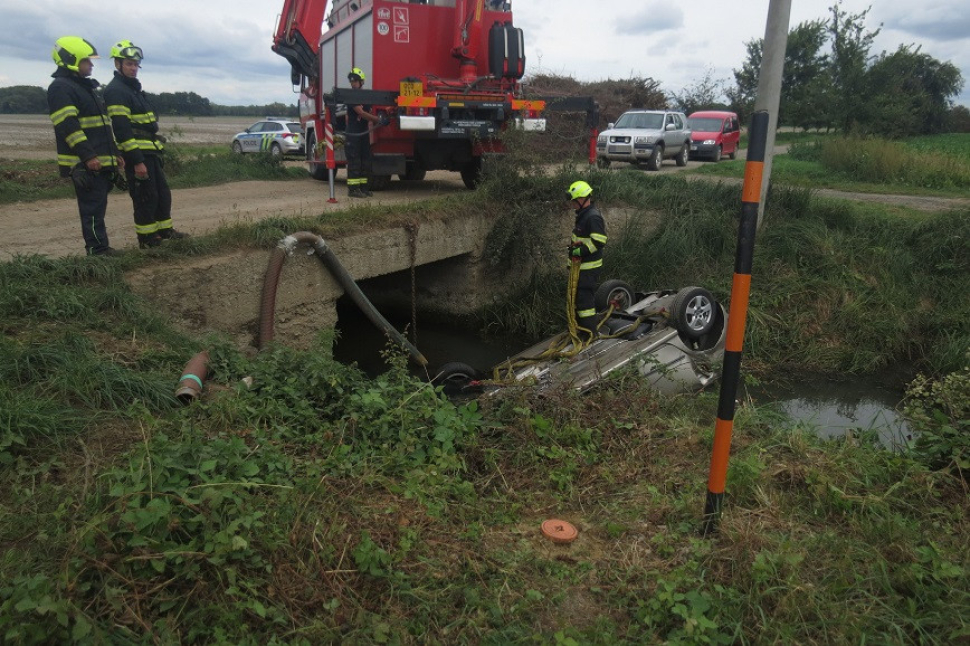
{"type": "Point", "coordinates": [921, 166]}
{"type": "Point", "coordinates": [322, 506]}
{"type": "Point", "coordinates": [30, 180]}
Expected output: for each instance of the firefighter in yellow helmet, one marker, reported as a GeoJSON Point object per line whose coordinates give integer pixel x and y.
{"type": "Point", "coordinates": [586, 249]}
{"type": "Point", "coordinates": [136, 129]}
{"type": "Point", "coordinates": [357, 144]}
{"type": "Point", "coordinates": [85, 144]}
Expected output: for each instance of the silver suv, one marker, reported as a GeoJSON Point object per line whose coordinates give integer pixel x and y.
{"type": "Point", "coordinates": [645, 136]}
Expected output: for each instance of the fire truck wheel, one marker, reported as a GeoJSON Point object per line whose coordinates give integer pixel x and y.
{"type": "Point", "coordinates": [317, 171]}
{"type": "Point", "coordinates": [471, 173]}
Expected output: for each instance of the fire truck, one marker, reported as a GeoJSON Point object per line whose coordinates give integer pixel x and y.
{"type": "Point", "coordinates": [446, 73]}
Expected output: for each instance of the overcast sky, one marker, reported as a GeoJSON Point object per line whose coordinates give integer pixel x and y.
{"type": "Point", "coordinates": [220, 49]}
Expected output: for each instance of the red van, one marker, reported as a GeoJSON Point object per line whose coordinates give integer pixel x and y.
{"type": "Point", "coordinates": [714, 133]}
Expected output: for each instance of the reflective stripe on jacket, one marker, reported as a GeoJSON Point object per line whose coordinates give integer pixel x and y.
{"type": "Point", "coordinates": [81, 126]}
{"type": "Point", "coordinates": [133, 119]}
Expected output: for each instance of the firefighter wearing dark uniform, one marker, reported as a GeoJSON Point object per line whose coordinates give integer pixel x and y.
{"type": "Point", "coordinates": [588, 240]}
{"type": "Point", "coordinates": [357, 142]}
{"type": "Point", "coordinates": [136, 129]}
{"type": "Point", "coordinates": [85, 144]}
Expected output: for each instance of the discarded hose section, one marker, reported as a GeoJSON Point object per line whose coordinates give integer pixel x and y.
{"type": "Point", "coordinates": [193, 378]}
{"type": "Point", "coordinates": [267, 308]}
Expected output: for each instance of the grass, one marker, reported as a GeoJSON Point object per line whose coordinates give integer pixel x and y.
{"type": "Point", "coordinates": [922, 166]}
{"type": "Point", "coordinates": [31, 180]}
{"type": "Point", "coordinates": [322, 506]}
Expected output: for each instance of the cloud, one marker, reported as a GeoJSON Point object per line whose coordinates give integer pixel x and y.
{"type": "Point", "coordinates": [656, 17]}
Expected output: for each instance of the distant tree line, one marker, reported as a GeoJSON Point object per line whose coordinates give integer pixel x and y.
{"type": "Point", "coordinates": [31, 99]}
{"type": "Point", "coordinates": [831, 81]}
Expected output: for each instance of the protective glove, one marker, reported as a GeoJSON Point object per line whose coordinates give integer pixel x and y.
{"type": "Point", "coordinates": [576, 254]}
{"type": "Point", "coordinates": [120, 181]}
{"type": "Point", "coordinates": [384, 120]}
{"type": "Point", "coordinates": [81, 177]}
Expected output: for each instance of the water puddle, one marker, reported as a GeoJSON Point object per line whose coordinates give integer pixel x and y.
{"type": "Point", "coordinates": [832, 408]}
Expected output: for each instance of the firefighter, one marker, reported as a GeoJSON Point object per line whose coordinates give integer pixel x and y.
{"type": "Point", "coordinates": [586, 249]}
{"type": "Point", "coordinates": [358, 140]}
{"type": "Point", "coordinates": [85, 145]}
{"type": "Point", "coordinates": [136, 129]}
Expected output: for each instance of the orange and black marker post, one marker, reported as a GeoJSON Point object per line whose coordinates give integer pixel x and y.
{"type": "Point", "coordinates": [737, 316]}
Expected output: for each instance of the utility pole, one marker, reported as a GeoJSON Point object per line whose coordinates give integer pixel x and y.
{"type": "Point", "coordinates": [757, 172]}
{"type": "Point", "coordinates": [769, 82]}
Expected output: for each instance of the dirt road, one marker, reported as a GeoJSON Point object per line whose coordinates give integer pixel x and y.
{"type": "Point", "coordinates": [51, 227]}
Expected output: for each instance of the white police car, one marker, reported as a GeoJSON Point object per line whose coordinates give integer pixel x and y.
{"type": "Point", "coordinates": [276, 136]}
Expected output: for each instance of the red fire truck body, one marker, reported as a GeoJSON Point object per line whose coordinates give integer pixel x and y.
{"type": "Point", "coordinates": [445, 72]}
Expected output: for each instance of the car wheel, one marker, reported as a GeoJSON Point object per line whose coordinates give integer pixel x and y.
{"type": "Point", "coordinates": [454, 377]}
{"type": "Point", "coordinates": [656, 159]}
{"type": "Point", "coordinates": [716, 155]}
{"type": "Point", "coordinates": [471, 173]}
{"type": "Point", "coordinates": [681, 158]}
{"type": "Point", "coordinates": [613, 292]}
{"type": "Point", "coordinates": [317, 171]}
{"type": "Point", "coordinates": [237, 147]}
{"type": "Point", "coordinates": [276, 150]}
{"type": "Point", "coordinates": [693, 310]}
{"type": "Point", "coordinates": [602, 162]}
{"type": "Point", "coordinates": [733, 154]}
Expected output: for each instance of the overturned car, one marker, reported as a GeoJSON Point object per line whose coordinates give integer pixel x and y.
{"type": "Point", "coordinates": [674, 339]}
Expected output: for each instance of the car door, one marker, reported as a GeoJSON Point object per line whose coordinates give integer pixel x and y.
{"type": "Point", "coordinates": [732, 134]}
{"type": "Point", "coordinates": [271, 130]}
{"type": "Point", "coordinates": [250, 141]}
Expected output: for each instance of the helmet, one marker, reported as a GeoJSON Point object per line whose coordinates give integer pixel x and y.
{"type": "Point", "coordinates": [356, 74]}
{"type": "Point", "coordinates": [127, 50]}
{"type": "Point", "coordinates": [579, 190]}
{"type": "Point", "coordinates": [69, 51]}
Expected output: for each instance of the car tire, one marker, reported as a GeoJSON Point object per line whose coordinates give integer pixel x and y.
{"type": "Point", "coordinates": [694, 310]}
{"type": "Point", "coordinates": [716, 155]}
{"type": "Point", "coordinates": [656, 159]}
{"type": "Point", "coordinates": [602, 162]}
{"type": "Point", "coordinates": [237, 147]}
{"type": "Point", "coordinates": [454, 377]}
{"type": "Point", "coordinates": [613, 292]}
{"type": "Point", "coordinates": [276, 150]}
{"type": "Point", "coordinates": [681, 158]}
{"type": "Point", "coordinates": [733, 154]}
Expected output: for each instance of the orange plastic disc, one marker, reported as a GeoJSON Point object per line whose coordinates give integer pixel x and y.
{"type": "Point", "coordinates": [559, 531]}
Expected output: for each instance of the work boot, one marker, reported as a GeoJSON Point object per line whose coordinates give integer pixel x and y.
{"type": "Point", "coordinates": [149, 241]}
{"type": "Point", "coordinates": [366, 191]}
{"type": "Point", "coordinates": [107, 251]}
{"type": "Point", "coordinates": [357, 192]}
{"type": "Point", "coordinates": [172, 234]}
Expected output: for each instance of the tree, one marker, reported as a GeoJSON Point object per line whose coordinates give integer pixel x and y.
{"type": "Point", "coordinates": [912, 93]}
{"type": "Point", "coordinates": [850, 58]}
{"type": "Point", "coordinates": [806, 86]}
{"type": "Point", "coordinates": [703, 95]}
{"type": "Point", "coordinates": [23, 99]}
